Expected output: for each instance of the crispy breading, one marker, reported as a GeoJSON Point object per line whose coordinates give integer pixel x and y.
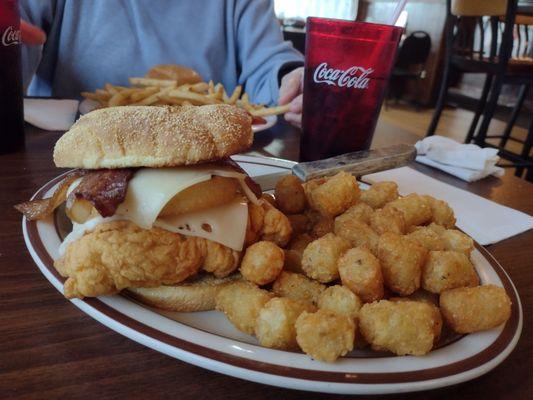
{"type": "Point", "coordinates": [219, 259]}
{"type": "Point", "coordinates": [119, 254]}
{"type": "Point", "coordinates": [333, 195]}
{"type": "Point", "coordinates": [379, 194]}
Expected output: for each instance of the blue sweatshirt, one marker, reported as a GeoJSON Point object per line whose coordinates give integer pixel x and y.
{"type": "Point", "coordinates": [92, 42]}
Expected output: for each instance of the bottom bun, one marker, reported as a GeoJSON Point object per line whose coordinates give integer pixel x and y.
{"type": "Point", "coordinates": [196, 294]}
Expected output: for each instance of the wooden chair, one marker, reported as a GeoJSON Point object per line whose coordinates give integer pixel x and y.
{"type": "Point", "coordinates": [466, 20]}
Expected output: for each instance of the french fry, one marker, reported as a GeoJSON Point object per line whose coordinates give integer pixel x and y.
{"type": "Point", "coordinates": [200, 87]}
{"type": "Point", "coordinates": [113, 89]}
{"type": "Point", "coordinates": [235, 95]}
{"type": "Point", "coordinates": [145, 82]}
{"type": "Point", "coordinates": [194, 98]}
{"type": "Point", "coordinates": [265, 111]}
{"type": "Point", "coordinates": [154, 97]}
{"type": "Point", "coordinates": [218, 91]}
{"type": "Point", "coordinates": [143, 94]}
{"type": "Point", "coordinates": [92, 96]}
{"type": "Point", "coordinates": [118, 99]}
{"type": "Point", "coordinates": [210, 87]}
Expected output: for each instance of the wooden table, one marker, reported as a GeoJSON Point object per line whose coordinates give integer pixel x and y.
{"type": "Point", "coordinates": [50, 349]}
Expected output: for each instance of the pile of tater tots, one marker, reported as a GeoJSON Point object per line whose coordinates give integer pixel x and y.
{"type": "Point", "coordinates": [363, 268]}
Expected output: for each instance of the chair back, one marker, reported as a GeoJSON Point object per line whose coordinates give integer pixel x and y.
{"type": "Point", "coordinates": [414, 50]}
{"type": "Point", "coordinates": [481, 30]}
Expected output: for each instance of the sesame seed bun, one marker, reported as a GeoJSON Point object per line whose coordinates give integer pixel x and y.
{"type": "Point", "coordinates": [148, 136]}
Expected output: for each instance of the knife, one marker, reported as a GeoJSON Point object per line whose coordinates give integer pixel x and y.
{"type": "Point", "coordinates": [357, 163]}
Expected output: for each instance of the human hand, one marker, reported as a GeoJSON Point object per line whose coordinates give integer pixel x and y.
{"type": "Point", "coordinates": [31, 34]}
{"type": "Point", "coordinates": [291, 92]}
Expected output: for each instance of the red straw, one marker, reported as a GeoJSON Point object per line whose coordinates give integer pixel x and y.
{"type": "Point", "coordinates": [397, 11]}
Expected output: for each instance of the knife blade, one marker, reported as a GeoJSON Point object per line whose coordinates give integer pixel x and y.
{"type": "Point", "coordinates": [357, 163]}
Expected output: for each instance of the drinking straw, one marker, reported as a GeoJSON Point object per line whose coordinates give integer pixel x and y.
{"type": "Point", "coordinates": [397, 11]}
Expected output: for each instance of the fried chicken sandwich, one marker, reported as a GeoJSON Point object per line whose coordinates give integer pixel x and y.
{"type": "Point", "coordinates": [155, 202]}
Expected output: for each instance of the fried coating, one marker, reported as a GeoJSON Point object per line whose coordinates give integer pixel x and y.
{"type": "Point", "coordinates": [297, 287]}
{"type": "Point", "coordinates": [262, 262]}
{"type": "Point", "coordinates": [220, 260]}
{"type": "Point", "coordinates": [325, 335]}
{"type": "Point", "coordinates": [319, 260]}
{"type": "Point", "coordinates": [300, 223]}
{"type": "Point", "coordinates": [357, 233]}
{"type": "Point", "coordinates": [242, 302]}
{"type": "Point", "coordinates": [270, 198]}
{"type": "Point", "coordinates": [468, 310]}
{"type": "Point", "coordinates": [274, 326]}
{"type": "Point", "coordinates": [290, 195]}
{"type": "Point", "coordinates": [427, 237]}
{"type": "Point", "coordinates": [360, 211]}
{"type": "Point", "coordinates": [415, 209]}
{"type": "Point", "coordinates": [340, 300]}
{"type": "Point", "coordinates": [387, 220]}
{"type": "Point", "coordinates": [119, 254]}
{"type": "Point", "coordinates": [401, 263]}
{"type": "Point", "coordinates": [322, 226]}
{"type": "Point", "coordinates": [445, 270]}
{"type": "Point", "coordinates": [276, 226]}
{"type": "Point", "coordinates": [457, 241]}
{"type": "Point", "coordinates": [360, 271]}
{"type": "Point", "coordinates": [266, 222]}
{"type": "Point", "coordinates": [438, 229]}
{"type": "Point", "coordinates": [333, 195]}
{"type": "Point", "coordinates": [293, 255]}
{"type": "Point", "coordinates": [380, 194]}
{"type": "Point", "coordinates": [442, 213]}
{"type": "Point", "coordinates": [402, 327]}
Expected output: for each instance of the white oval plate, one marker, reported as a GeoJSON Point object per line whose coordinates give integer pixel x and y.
{"type": "Point", "coordinates": [89, 105]}
{"type": "Point", "coordinates": [208, 340]}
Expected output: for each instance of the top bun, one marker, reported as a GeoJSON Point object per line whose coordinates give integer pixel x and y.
{"type": "Point", "coordinates": [178, 73]}
{"type": "Point", "coordinates": [150, 136]}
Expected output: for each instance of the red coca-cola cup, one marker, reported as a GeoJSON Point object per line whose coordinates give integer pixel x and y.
{"type": "Point", "coordinates": [347, 68]}
{"type": "Point", "coordinates": [11, 107]}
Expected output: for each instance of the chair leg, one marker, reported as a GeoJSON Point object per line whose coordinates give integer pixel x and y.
{"type": "Point", "coordinates": [525, 152]}
{"type": "Point", "coordinates": [514, 115]}
{"type": "Point", "coordinates": [481, 135]}
{"type": "Point", "coordinates": [440, 101]}
{"type": "Point", "coordinates": [479, 109]}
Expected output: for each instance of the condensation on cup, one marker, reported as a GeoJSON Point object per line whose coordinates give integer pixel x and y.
{"type": "Point", "coordinates": [11, 101]}
{"type": "Point", "coordinates": [347, 68]}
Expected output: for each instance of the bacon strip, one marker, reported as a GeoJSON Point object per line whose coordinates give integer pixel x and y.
{"type": "Point", "coordinates": [105, 189]}
{"type": "Point", "coordinates": [39, 209]}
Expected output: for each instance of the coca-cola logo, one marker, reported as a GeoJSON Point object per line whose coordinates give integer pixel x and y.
{"type": "Point", "coordinates": [10, 36]}
{"type": "Point", "coordinates": [353, 77]}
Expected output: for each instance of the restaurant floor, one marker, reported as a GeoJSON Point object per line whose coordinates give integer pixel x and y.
{"type": "Point", "coordinates": [454, 123]}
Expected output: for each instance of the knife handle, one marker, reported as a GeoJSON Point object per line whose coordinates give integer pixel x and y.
{"type": "Point", "coordinates": [357, 163]}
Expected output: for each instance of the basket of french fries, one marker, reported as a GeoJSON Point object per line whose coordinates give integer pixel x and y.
{"type": "Point", "coordinates": [151, 91]}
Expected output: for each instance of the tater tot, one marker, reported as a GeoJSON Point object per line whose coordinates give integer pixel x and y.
{"type": "Point", "coordinates": [297, 287]}
{"type": "Point", "coordinates": [380, 194]}
{"type": "Point", "coordinates": [387, 220]}
{"type": "Point", "coordinates": [445, 270]}
{"type": "Point", "coordinates": [333, 195]}
{"type": "Point", "coordinates": [402, 327]}
{"type": "Point", "coordinates": [360, 271]}
{"type": "Point", "coordinates": [241, 302]}
{"type": "Point", "coordinates": [438, 229]}
{"type": "Point", "coordinates": [293, 255]}
{"type": "Point", "coordinates": [401, 263]}
{"type": "Point", "coordinates": [325, 335]}
{"type": "Point", "coordinates": [319, 260]}
{"type": "Point", "coordinates": [340, 300]}
{"type": "Point", "coordinates": [442, 213]}
{"type": "Point", "coordinates": [290, 195]}
{"type": "Point", "coordinates": [357, 233]}
{"type": "Point", "coordinates": [274, 326]}
{"type": "Point", "coordinates": [457, 241]}
{"type": "Point", "coordinates": [427, 237]}
{"type": "Point", "coordinates": [262, 263]}
{"type": "Point", "coordinates": [300, 223]}
{"type": "Point", "coordinates": [468, 310]}
{"type": "Point", "coordinates": [256, 217]}
{"type": "Point", "coordinates": [415, 209]}
{"type": "Point", "coordinates": [360, 211]}
{"type": "Point", "coordinates": [322, 226]}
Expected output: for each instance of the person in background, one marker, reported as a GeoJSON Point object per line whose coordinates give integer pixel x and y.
{"type": "Point", "coordinates": [89, 43]}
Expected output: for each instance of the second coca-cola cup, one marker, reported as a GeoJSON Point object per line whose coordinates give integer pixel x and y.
{"type": "Point", "coordinates": [347, 68]}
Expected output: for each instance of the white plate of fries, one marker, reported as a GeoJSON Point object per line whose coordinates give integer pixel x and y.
{"type": "Point", "coordinates": [147, 91]}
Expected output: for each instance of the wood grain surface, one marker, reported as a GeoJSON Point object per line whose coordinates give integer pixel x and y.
{"type": "Point", "coordinates": [49, 349]}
